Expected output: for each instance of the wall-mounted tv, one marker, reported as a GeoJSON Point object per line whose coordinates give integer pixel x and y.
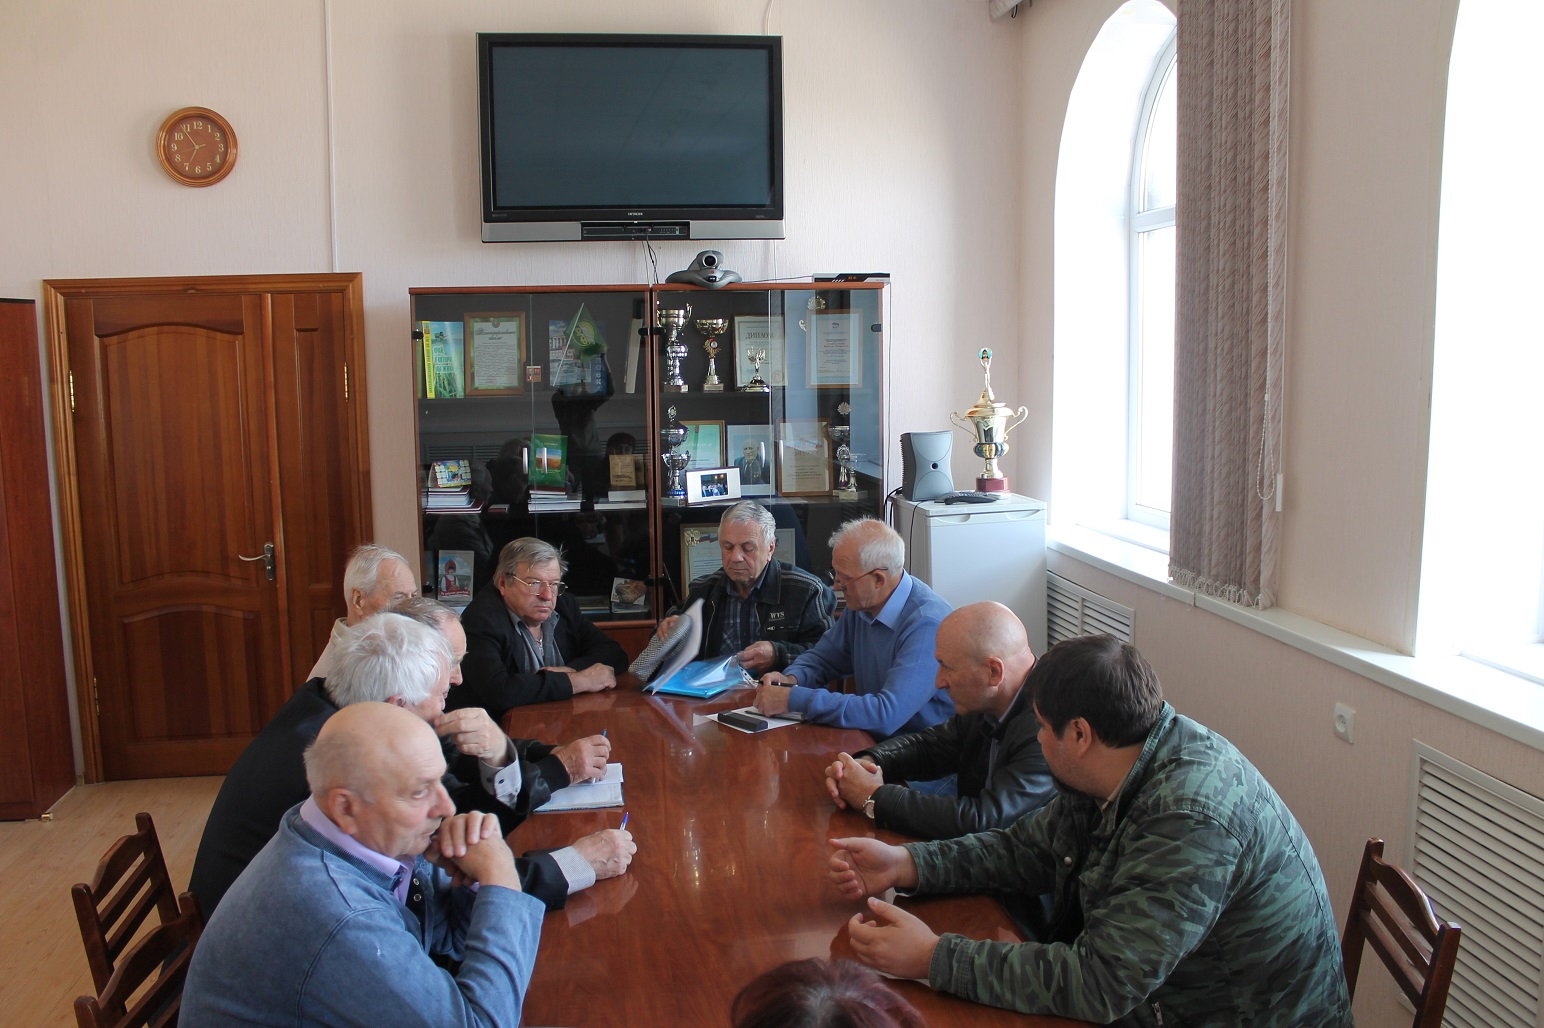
{"type": "Point", "coordinates": [630, 136]}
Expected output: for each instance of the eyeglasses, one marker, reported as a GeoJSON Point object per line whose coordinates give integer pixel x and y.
{"type": "Point", "coordinates": [535, 586]}
{"type": "Point", "coordinates": [842, 582]}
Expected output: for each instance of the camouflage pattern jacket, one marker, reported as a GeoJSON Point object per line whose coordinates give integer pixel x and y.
{"type": "Point", "coordinates": [1202, 901]}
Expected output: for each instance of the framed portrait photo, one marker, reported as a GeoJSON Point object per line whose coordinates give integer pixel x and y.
{"type": "Point", "coordinates": [705, 442]}
{"type": "Point", "coordinates": [752, 449]}
{"type": "Point", "coordinates": [495, 354]}
{"type": "Point", "coordinates": [803, 457]}
{"type": "Point", "coordinates": [712, 485]}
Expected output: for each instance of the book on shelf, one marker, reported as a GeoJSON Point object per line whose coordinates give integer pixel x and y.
{"type": "Point", "coordinates": [444, 359]}
{"type": "Point", "coordinates": [625, 496]}
{"type": "Point", "coordinates": [450, 474]}
{"type": "Point", "coordinates": [549, 462]}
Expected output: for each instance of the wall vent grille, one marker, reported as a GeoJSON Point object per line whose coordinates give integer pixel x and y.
{"type": "Point", "coordinates": [1477, 848]}
{"type": "Point", "coordinates": [1072, 610]}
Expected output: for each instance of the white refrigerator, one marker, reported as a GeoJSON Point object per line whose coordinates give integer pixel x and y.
{"type": "Point", "coordinates": [968, 552]}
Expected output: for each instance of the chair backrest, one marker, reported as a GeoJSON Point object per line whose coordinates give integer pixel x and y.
{"type": "Point", "coordinates": [1390, 913]}
{"type": "Point", "coordinates": [159, 958]}
{"type": "Point", "coordinates": [129, 883]}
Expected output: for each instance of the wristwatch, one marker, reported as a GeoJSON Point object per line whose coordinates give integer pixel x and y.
{"type": "Point", "coordinates": [868, 808]}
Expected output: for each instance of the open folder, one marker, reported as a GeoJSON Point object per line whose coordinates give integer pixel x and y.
{"type": "Point", "coordinates": [667, 666]}
{"type": "Point", "coordinates": [703, 678]}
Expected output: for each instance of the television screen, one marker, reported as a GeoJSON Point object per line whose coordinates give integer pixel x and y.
{"type": "Point", "coordinates": [589, 136]}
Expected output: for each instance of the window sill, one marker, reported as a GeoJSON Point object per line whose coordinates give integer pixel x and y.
{"type": "Point", "coordinates": [1486, 696]}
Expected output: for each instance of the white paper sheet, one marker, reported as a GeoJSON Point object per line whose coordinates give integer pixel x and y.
{"type": "Point", "coordinates": [588, 795]}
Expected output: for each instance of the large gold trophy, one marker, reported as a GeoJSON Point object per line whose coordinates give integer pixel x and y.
{"type": "Point", "coordinates": [988, 422]}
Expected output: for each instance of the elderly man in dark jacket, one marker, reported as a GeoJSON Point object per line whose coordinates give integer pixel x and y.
{"type": "Point", "coordinates": [983, 659]}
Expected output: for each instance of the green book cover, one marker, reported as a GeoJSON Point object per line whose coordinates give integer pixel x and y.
{"type": "Point", "coordinates": [445, 351]}
{"type": "Point", "coordinates": [549, 461]}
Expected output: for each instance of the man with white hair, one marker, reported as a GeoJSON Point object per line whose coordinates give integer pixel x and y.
{"type": "Point", "coordinates": [338, 919]}
{"type": "Point", "coordinates": [391, 658]}
{"type": "Point", "coordinates": [374, 579]}
{"type": "Point", "coordinates": [763, 610]}
{"type": "Point", "coordinates": [884, 641]}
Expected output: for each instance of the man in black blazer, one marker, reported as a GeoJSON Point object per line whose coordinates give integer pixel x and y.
{"type": "Point", "coordinates": [393, 659]}
{"type": "Point", "coordinates": [528, 641]}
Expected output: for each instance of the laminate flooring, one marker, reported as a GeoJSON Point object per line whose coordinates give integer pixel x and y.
{"type": "Point", "coordinates": [42, 964]}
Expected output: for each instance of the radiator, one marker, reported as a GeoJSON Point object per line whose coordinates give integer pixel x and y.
{"type": "Point", "coordinates": [1477, 848]}
{"type": "Point", "coordinates": [1072, 610]}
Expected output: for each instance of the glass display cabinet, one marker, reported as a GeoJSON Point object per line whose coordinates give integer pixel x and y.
{"type": "Point", "coordinates": [617, 422]}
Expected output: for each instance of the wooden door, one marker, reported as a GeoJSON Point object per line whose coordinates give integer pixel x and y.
{"type": "Point", "coordinates": [211, 421]}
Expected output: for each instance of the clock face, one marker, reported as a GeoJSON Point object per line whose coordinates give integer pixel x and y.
{"type": "Point", "coordinates": [196, 146]}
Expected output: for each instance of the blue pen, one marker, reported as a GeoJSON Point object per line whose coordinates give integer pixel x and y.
{"type": "Point", "coordinates": [625, 815]}
{"type": "Point", "coordinates": [603, 732]}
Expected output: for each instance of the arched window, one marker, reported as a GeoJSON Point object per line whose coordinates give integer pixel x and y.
{"type": "Point", "coordinates": [1114, 287]}
{"type": "Point", "coordinates": [1482, 570]}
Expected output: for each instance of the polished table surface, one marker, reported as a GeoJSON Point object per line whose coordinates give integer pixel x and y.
{"type": "Point", "coordinates": [730, 875]}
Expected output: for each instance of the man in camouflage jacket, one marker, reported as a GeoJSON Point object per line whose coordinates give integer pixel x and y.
{"type": "Point", "coordinates": [1186, 893]}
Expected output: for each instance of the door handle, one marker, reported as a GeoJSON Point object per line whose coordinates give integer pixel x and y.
{"type": "Point", "coordinates": [266, 557]}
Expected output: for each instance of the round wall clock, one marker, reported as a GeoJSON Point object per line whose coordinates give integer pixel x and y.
{"type": "Point", "coordinates": [196, 146]}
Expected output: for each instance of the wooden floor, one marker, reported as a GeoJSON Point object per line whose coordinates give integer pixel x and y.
{"type": "Point", "coordinates": [42, 965]}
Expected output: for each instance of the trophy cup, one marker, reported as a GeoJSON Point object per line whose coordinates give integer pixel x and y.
{"type": "Point", "coordinates": [988, 422]}
{"type": "Point", "coordinates": [841, 435]}
{"type": "Point", "coordinates": [673, 321]}
{"type": "Point", "coordinates": [757, 384]}
{"type": "Point", "coordinates": [675, 461]}
{"type": "Point", "coordinates": [712, 328]}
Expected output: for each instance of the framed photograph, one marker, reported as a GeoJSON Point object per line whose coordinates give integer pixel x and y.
{"type": "Point", "coordinates": [803, 457]}
{"type": "Point", "coordinates": [712, 485]}
{"type": "Point", "coordinates": [699, 552]}
{"type": "Point", "coordinates": [495, 354]}
{"type": "Point", "coordinates": [751, 449]}
{"type": "Point", "coordinates": [705, 442]}
{"type": "Point", "coordinates": [758, 332]}
{"type": "Point", "coordinates": [835, 358]}
{"type": "Point", "coordinates": [453, 577]}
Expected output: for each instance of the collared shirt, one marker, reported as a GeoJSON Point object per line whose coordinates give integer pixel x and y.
{"type": "Point", "coordinates": [889, 655]}
{"type": "Point", "coordinates": [400, 872]}
{"type": "Point", "coordinates": [742, 621]}
{"type": "Point", "coordinates": [997, 732]}
{"type": "Point", "coordinates": [537, 655]}
{"type": "Point", "coordinates": [324, 662]}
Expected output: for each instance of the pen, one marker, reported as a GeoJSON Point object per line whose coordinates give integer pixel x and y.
{"type": "Point", "coordinates": [625, 815]}
{"type": "Point", "coordinates": [603, 732]}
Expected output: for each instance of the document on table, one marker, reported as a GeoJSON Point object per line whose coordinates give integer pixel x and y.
{"type": "Point", "coordinates": [588, 795]}
{"type": "Point", "coordinates": [772, 720]}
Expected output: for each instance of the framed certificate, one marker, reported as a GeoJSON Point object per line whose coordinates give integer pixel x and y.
{"type": "Point", "coordinates": [705, 442]}
{"type": "Point", "coordinates": [803, 457]}
{"type": "Point", "coordinates": [835, 358]}
{"type": "Point", "coordinates": [758, 332]}
{"type": "Point", "coordinates": [495, 354]}
{"type": "Point", "coordinates": [699, 552]}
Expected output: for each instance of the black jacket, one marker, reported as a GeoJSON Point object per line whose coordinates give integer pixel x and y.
{"type": "Point", "coordinates": [962, 746]}
{"type": "Point", "coordinates": [795, 609]}
{"type": "Point", "coordinates": [490, 673]}
{"type": "Point", "coordinates": [270, 777]}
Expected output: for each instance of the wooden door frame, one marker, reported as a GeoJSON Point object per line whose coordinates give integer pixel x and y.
{"type": "Point", "coordinates": [59, 292]}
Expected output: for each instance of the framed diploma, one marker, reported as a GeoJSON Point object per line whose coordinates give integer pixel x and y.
{"type": "Point", "coordinates": [755, 333]}
{"type": "Point", "coordinates": [705, 442]}
{"type": "Point", "coordinates": [835, 358]}
{"type": "Point", "coordinates": [495, 354]}
{"type": "Point", "coordinates": [803, 457]}
{"type": "Point", "coordinates": [699, 552]}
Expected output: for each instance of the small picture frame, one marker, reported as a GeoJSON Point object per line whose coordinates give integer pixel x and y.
{"type": "Point", "coordinates": [803, 457]}
{"type": "Point", "coordinates": [752, 449]}
{"type": "Point", "coordinates": [699, 552]}
{"type": "Point", "coordinates": [835, 350]}
{"type": "Point", "coordinates": [495, 354]}
{"type": "Point", "coordinates": [705, 442]}
{"type": "Point", "coordinates": [712, 485]}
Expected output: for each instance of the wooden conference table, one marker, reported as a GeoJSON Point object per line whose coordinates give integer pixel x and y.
{"type": "Point", "coordinates": [730, 876]}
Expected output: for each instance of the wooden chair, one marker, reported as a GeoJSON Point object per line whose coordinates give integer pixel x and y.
{"type": "Point", "coordinates": [146, 988]}
{"type": "Point", "coordinates": [129, 883]}
{"type": "Point", "coordinates": [1392, 914]}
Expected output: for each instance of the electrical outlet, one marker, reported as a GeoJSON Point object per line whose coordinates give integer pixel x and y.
{"type": "Point", "coordinates": [1345, 723]}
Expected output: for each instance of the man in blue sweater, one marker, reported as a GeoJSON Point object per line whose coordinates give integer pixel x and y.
{"type": "Point", "coordinates": [335, 922]}
{"type": "Point", "coordinates": [884, 640]}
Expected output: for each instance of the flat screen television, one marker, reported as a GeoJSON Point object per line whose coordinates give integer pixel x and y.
{"type": "Point", "coordinates": [630, 136]}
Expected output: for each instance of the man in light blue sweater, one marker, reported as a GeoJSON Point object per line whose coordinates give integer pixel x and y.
{"type": "Point", "coordinates": [884, 640]}
{"type": "Point", "coordinates": [335, 920]}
